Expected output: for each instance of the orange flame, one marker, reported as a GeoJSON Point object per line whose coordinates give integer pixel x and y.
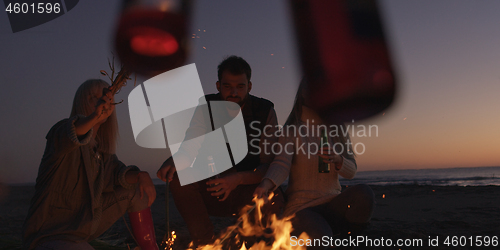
{"type": "Point", "coordinates": [251, 224]}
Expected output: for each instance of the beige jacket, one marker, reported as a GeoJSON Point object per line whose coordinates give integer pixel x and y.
{"type": "Point", "coordinates": [306, 186]}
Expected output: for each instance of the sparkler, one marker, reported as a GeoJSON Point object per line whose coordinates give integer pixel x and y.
{"type": "Point", "coordinates": [168, 241]}
{"type": "Point", "coordinates": [121, 78]}
{"type": "Point", "coordinates": [169, 238]}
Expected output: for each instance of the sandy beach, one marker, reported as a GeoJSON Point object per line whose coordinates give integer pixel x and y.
{"type": "Point", "coordinates": [402, 212]}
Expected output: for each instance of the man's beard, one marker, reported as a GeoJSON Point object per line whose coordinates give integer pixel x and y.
{"type": "Point", "coordinates": [237, 100]}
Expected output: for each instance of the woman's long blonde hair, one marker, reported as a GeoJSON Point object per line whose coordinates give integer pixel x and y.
{"type": "Point", "coordinates": [84, 104]}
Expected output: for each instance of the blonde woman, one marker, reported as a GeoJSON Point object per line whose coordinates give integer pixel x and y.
{"type": "Point", "coordinates": [82, 188]}
{"type": "Point", "coordinates": [320, 208]}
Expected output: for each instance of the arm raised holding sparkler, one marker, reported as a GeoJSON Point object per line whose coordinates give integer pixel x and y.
{"type": "Point", "coordinates": [82, 188]}
{"type": "Point", "coordinates": [103, 109]}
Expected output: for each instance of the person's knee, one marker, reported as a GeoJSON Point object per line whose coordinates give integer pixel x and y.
{"type": "Point", "coordinates": [365, 203]}
{"type": "Point", "coordinates": [138, 203]}
{"type": "Point", "coordinates": [365, 194]}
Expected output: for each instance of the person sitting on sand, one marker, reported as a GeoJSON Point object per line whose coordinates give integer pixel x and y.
{"type": "Point", "coordinates": [320, 208]}
{"type": "Point", "coordinates": [82, 188]}
{"type": "Point", "coordinates": [234, 188]}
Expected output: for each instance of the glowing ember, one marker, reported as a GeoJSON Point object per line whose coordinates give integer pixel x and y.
{"type": "Point", "coordinates": [168, 243]}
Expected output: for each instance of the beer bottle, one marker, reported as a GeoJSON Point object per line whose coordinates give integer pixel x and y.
{"type": "Point", "coordinates": [213, 170]}
{"type": "Point", "coordinates": [151, 36]}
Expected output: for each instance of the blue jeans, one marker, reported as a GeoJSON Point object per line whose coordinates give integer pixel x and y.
{"type": "Point", "coordinates": [350, 211]}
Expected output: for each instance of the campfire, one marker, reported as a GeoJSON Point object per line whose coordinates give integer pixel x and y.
{"type": "Point", "coordinates": [265, 233]}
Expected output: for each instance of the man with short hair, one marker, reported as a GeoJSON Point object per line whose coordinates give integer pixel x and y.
{"type": "Point", "coordinates": [226, 195]}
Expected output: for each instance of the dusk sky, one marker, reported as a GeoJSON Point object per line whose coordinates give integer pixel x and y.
{"type": "Point", "coordinates": [446, 55]}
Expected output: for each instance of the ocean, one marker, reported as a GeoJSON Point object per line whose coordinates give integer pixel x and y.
{"type": "Point", "coordinates": [478, 176]}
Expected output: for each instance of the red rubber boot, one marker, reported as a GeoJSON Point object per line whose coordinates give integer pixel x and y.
{"type": "Point", "coordinates": [143, 228]}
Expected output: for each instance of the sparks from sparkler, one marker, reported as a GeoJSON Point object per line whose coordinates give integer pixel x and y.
{"type": "Point", "coordinates": [168, 243]}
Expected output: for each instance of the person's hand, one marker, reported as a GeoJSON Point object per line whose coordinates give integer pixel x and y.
{"type": "Point", "coordinates": [166, 170]}
{"type": "Point", "coordinates": [262, 191]}
{"type": "Point", "coordinates": [146, 186]}
{"type": "Point", "coordinates": [104, 107]}
{"type": "Point", "coordinates": [224, 185]}
{"type": "Point", "coordinates": [328, 156]}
